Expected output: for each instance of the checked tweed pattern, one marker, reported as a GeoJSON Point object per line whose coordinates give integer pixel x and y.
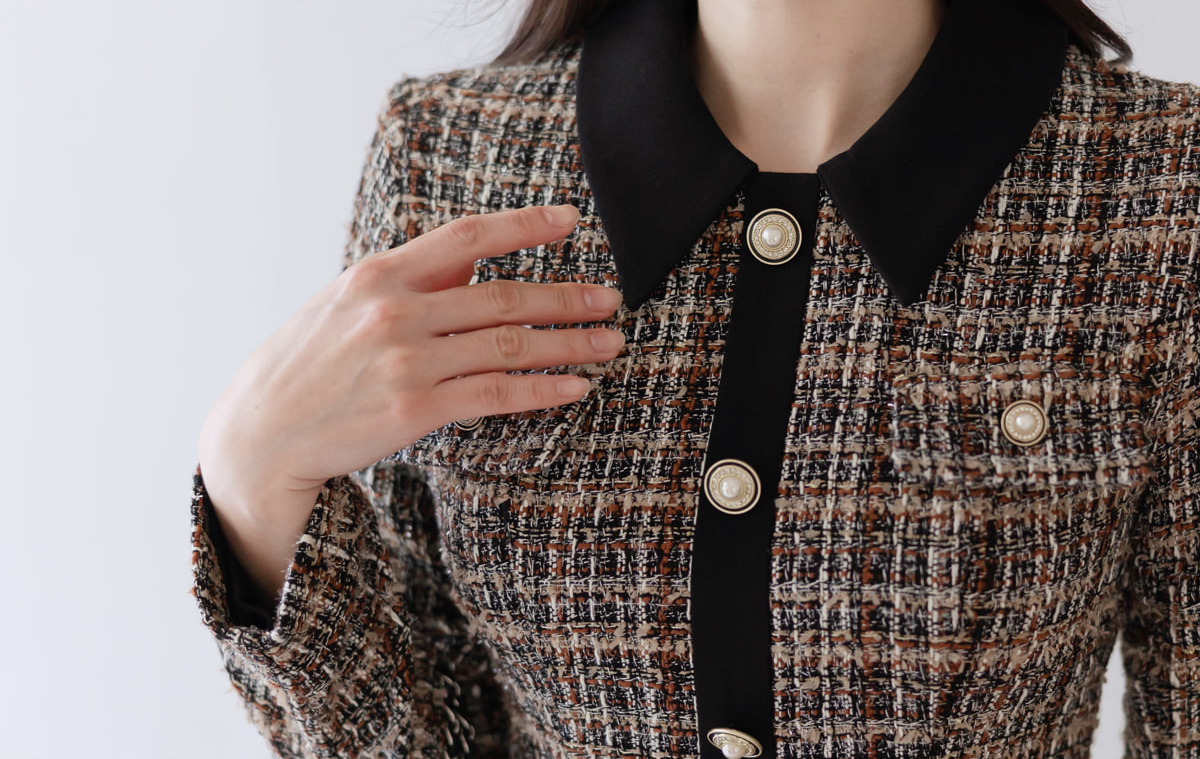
{"type": "Point", "coordinates": [521, 589]}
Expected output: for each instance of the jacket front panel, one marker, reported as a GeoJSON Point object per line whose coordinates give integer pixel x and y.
{"type": "Point", "coordinates": [933, 584]}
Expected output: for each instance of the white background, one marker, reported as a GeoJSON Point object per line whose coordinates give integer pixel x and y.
{"type": "Point", "coordinates": [176, 179]}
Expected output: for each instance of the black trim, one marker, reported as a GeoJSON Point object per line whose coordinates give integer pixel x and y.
{"type": "Point", "coordinates": [731, 554]}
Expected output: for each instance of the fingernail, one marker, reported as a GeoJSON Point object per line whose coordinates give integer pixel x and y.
{"type": "Point", "coordinates": [561, 215]}
{"type": "Point", "coordinates": [607, 339]}
{"type": "Point", "coordinates": [602, 298]}
{"type": "Point", "coordinates": [573, 386]}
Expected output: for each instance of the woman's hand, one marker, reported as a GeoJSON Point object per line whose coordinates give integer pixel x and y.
{"type": "Point", "coordinates": [396, 346]}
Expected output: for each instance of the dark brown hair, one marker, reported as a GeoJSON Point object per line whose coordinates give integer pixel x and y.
{"type": "Point", "coordinates": [546, 23]}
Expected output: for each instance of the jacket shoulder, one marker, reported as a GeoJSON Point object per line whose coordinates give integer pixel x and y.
{"type": "Point", "coordinates": [1142, 106]}
{"type": "Point", "coordinates": [477, 139]}
{"type": "Point", "coordinates": [490, 89]}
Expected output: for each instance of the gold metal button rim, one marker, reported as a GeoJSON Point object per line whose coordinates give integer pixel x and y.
{"type": "Point", "coordinates": [1008, 423]}
{"type": "Point", "coordinates": [726, 467]}
{"type": "Point", "coordinates": [469, 423]}
{"type": "Point", "coordinates": [786, 250]}
{"type": "Point", "coordinates": [719, 736]}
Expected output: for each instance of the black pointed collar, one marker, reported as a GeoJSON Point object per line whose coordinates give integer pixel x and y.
{"type": "Point", "coordinates": [661, 170]}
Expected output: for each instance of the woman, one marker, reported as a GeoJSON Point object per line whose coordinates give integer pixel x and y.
{"type": "Point", "coordinates": [891, 435]}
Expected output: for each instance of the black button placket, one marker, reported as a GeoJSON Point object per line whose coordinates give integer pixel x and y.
{"type": "Point", "coordinates": [731, 560]}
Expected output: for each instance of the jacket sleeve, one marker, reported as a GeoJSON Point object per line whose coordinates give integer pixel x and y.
{"type": "Point", "coordinates": [366, 654]}
{"type": "Point", "coordinates": [1160, 642]}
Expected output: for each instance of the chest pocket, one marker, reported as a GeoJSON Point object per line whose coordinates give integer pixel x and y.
{"type": "Point", "coordinates": [948, 439]}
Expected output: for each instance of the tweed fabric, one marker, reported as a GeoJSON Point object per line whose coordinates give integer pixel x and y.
{"type": "Point", "coordinates": [522, 589]}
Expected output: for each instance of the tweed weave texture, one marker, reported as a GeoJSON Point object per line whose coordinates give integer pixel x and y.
{"type": "Point", "coordinates": [522, 589]}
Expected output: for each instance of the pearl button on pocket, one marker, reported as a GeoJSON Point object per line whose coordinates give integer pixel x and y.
{"type": "Point", "coordinates": [1024, 423]}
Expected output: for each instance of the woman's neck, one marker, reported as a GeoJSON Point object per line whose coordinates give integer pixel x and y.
{"type": "Point", "coordinates": [792, 83]}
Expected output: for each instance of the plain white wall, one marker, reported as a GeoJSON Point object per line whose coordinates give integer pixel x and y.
{"type": "Point", "coordinates": [176, 179]}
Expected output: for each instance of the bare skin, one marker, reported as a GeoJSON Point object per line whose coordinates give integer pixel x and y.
{"type": "Point", "coordinates": [793, 83]}
{"type": "Point", "coordinates": [393, 348]}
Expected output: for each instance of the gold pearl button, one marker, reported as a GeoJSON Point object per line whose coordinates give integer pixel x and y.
{"type": "Point", "coordinates": [469, 424]}
{"type": "Point", "coordinates": [732, 486]}
{"type": "Point", "coordinates": [1024, 423]}
{"type": "Point", "coordinates": [734, 744]}
{"type": "Point", "coordinates": [773, 236]}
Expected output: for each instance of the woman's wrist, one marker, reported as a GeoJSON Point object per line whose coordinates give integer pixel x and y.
{"type": "Point", "coordinates": [261, 522]}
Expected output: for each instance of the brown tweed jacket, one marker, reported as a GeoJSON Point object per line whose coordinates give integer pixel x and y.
{"type": "Point", "coordinates": [914, 581]}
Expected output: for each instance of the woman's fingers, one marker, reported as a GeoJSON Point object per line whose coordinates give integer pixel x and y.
{"type": "Point", "coordinates": [500, 393]}
{"type": "Point", "coordinates": [459, 278]}
{"type": "Point", "coordinates": [503, 301]}
{"type": "Point", "coordinates": [429, 260]}
{"type": "Point", "coordinates": [513, 348]}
